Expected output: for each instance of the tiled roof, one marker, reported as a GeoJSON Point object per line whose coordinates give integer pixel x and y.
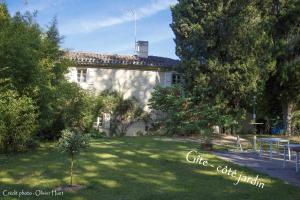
{"type": "Point", "coordinates": [95, 59]}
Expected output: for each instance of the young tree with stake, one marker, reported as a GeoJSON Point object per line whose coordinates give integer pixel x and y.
{"type": "Point", "coordinates": [72, 143]}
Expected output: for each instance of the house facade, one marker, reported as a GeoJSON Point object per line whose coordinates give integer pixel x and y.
{"type": "Point", "coordinates": [132, 75]}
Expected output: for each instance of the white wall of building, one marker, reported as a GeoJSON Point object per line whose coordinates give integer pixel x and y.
{"type": "Point", "coordinates": [131, 82]}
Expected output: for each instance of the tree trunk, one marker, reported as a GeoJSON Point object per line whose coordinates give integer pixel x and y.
{"type": "Point", "coordinates": [287, 111]}
{"type": "Point", "coordinates": [71, 169]}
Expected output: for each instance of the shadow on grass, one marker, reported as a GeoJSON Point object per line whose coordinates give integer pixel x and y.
{"type": "Point", "coordinates": [133, 168]}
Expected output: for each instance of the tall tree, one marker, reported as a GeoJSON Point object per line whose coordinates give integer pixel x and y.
{"type": "Point", "coordinates": [19, 51]}
{"type": "Point", "coordinates": [221, 44]}
{"type": "Point", "coordinates": [32, 64]}
{"type": "Point", "coordinates": [284, 83]}
{"type": "Point", "coordinates": [53, 67]}
{"type": "Point", "coordinates": [4, 22]}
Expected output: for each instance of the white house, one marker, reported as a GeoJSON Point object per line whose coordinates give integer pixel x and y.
{"type": "Point", "coordinates": [134, 75]}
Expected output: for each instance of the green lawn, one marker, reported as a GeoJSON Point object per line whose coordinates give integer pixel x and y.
{"type": "Point", "coordinates": [134, 168]}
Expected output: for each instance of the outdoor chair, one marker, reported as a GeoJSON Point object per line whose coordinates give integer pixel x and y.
{"type": "Point", "coordinates": [292, 147]}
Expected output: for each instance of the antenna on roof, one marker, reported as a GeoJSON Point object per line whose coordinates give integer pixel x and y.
{"type": "Point", "coordinates": [134, 32]}
{"type": "Point", "coordinates": [133, 12]}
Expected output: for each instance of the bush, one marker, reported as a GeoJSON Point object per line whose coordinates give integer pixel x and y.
{"type": "Point", "coordinates": [32, 144]}
{"type": "Point", "coordinates": [18, 121]}
{"type": "Point", "coordinates": [73, 107]}
{"type": "Point", "coordinates": [126, 113]}
{"type": "Point", "coordinates": [175, 117]}
{"type": "Point", "coordinates": [184, 114]}
{"type": "Point", "coordinates": [139, 133]}
{"type": "Point", "coordinates": [76, 106]}
{"type": "Point", "coordinates": [123, 112]}
{"type": "Point", "coordinates": [96, 134]}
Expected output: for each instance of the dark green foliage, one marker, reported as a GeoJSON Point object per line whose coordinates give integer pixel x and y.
{"type": "Point", "coordinates": [32, 63]}
{"type": "Point", "coordinates": [185, 114]}
{"type": "Point", "coordinates": [233, 50]}
{"type": "Point", "coordinates": [76, 106]}
{"type": "Point", "coordinates": [32, 143]}
{"type": "Point", "coordinates": [96, 134]}
{"type": "Point", "coordinates": [18, 121]}
{"type": "Point", "coordinates": [219, 43]}
{"type": "Point", "coordinates": [72, 107]}
{"type": "Point", "coordinates": [174, 110]}
{"type": "Point", "coordinates": [283, 87]}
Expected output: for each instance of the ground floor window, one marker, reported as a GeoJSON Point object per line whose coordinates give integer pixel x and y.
{"type": "Point", "coordinates": [176, 79]}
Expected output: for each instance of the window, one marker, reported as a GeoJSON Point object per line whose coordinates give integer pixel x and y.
{"type": "Point", "coordinates": [99, 121]}
{"type": "Point", "coordinates": [176, 79]}
{"type": "Point", "coordinates": [81, 75]}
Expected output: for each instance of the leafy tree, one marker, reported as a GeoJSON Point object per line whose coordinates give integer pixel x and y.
{"type": "Point", "coordinates": [77, 106]}
{"type": "Point", "coordinates": [19, 55]}
{"type": "Point", "coordinates": [33, 64]}
{"type": "Point", "coordinates": [4, 22]}
{"type": "Point", "coordinates": [53, 84]}
{"type": "Point", "coordinates": [18, 121]}
{"type": "Point", "coordinates": [72, 143]}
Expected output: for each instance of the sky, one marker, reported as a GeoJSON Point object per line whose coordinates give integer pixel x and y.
{"type": "Point", "coordinates": [106, 26]}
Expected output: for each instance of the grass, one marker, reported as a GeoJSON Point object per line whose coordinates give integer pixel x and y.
{"type": "Point", "coordinates": [133, 168]}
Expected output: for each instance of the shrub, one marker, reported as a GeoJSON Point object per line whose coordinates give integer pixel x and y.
{"type": "Point", "coordinates": [17, 121]}
{"type": "Point", "coordinates": [32, 144]}
{"type": "Point", "coordinates": [96, 134]}
{"type": "Point", "coordinates": [73, 107]}
{"type": "Point", "coordinates": [184, 114]}
{"type": "Point", "coordinates": [139, 133]}
{"type": "Point", "coordinates": [174, 116]}
{"type": "Point", "coordinates": [123, 112]}
{"type": "Point", "coordinates": [126, 113]}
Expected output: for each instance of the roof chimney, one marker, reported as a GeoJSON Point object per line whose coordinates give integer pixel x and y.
{"type": "Point", "coordinates": [142, 49]}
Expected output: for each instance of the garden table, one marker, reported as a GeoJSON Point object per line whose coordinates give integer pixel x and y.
{"type": "Point", "coordinates": [271, 141]}
{"type": "Point", "coordinates": [292, 147]}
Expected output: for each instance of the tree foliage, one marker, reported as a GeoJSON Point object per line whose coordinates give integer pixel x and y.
{"type": "Point", "coordinates": [184, 115]}
{"type": "Point", "coordinates": [32, 64]}
{"type": "Point", "coordinates": [233, 50]}
{"type": "Point", "coordinates": [18, 121]}
{"type": "Point", "coordinates": [219, 43]}
{"type": "Point", "coordinates": [283, 86]}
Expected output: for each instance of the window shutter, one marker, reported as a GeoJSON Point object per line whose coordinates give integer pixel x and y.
{"type": "Point", "coordinates": [73, 74]}
{"type": "Point", "coordinates": [91, 76]}
{"type": "Point", "coordinates": [168, 79]}
{"type": "Point", "coordinates": [106, 121]}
